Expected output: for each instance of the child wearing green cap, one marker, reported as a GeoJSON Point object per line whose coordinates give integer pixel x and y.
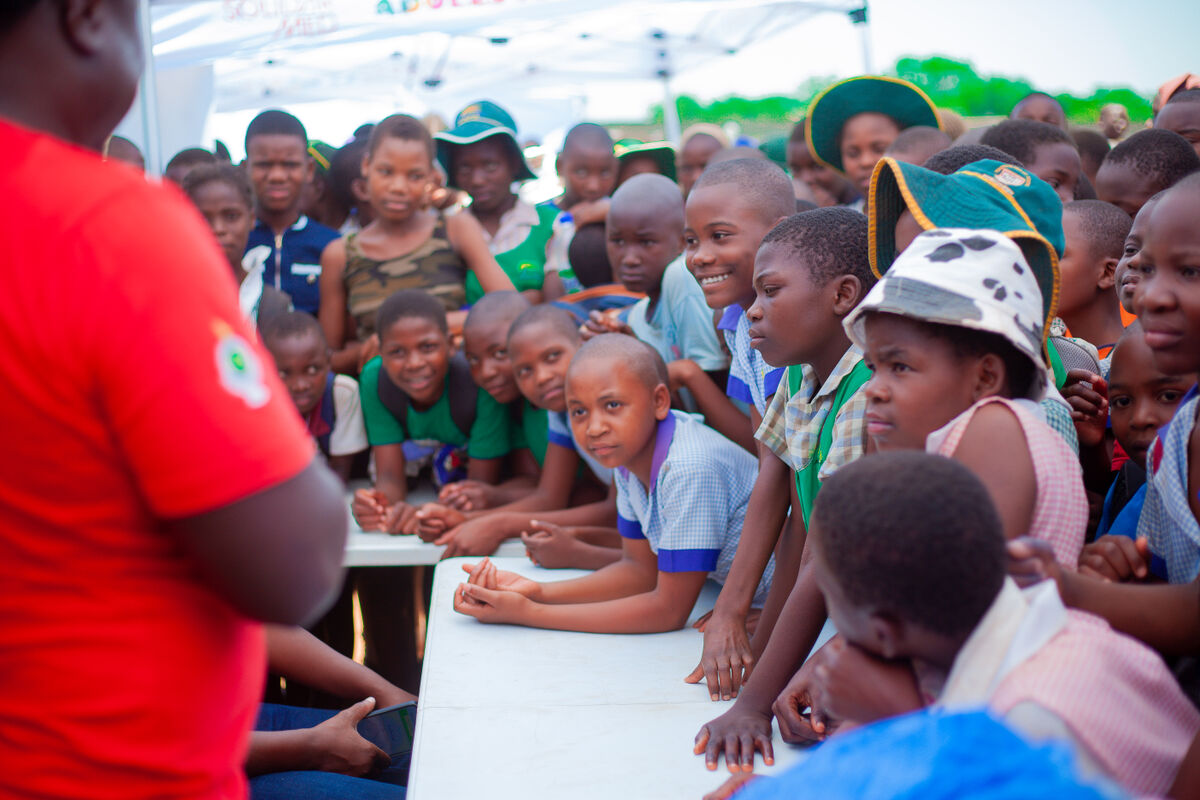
{"type": "Point", "coordinates": [906, 199]}
{"type": "Point", "coordinates": [481, 157]}
{"type": "Point", "coordinates": [853, 122]}
{"type": "Point", "coordinates": [635, 158]}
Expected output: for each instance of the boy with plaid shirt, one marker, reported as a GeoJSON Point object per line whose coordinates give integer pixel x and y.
{"type": "Point", "coordinates": [809, 273]}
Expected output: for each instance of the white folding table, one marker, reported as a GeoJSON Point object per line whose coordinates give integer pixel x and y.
{"type": "Point", "coordinates": [512, 712]}
{"type": "Point", "coordinates": [375, 549]}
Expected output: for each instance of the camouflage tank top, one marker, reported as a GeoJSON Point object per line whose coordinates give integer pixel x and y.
{"type": "Point", "coordinates": [433, 266]}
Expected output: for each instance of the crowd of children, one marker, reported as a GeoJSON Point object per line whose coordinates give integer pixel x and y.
{"type": "Point", "coordinates": [934, 398]}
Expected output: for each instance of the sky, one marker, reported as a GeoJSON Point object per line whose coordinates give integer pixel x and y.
{"type": "Point", "coordinates": [1057, 45]}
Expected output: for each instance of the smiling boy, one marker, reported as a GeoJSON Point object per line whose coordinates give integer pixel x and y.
{"type": "Point", "coordinates": [728, 213]}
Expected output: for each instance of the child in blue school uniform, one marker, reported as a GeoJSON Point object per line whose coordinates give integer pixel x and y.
{"type": "Point", "coordinates": [682, 491]}
{"type": "Point", "coordinates": [729, 211]}
{"type": "Point", "coordinates": [1139, 399]}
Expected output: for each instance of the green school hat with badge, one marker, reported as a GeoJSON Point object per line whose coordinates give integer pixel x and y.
{"type": "Point", "coordinates": [832, 108]}
{"type": "Point", "coordinates": [322, 154]}
{"type": "Point", "coordinates": [662, 153]}
{"type": "Point", "coordinates": [965, 278]}
{"type": "Point", "coordinates": [476, 122]}
{"type": "Point", "coordinates": [985, 194]}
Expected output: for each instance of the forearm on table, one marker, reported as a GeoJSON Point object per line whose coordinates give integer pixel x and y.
{"type": "Point", "coordinates": [803, 616]}
{"type": "Point", "coordinates": [513, 489]}
{"type": "Point", "coordinates": [599, 535]}
{"type": "Point", "coordinates": [765, 515]}
{"type": "Point", "coordinates": [620, 579]}
{"type": "Point", "coordinates": [643, 613]}
{"type": "Point", "coordinates": [601, 514]}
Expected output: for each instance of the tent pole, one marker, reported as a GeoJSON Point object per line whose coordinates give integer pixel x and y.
{"type": "Point", "coordinates": [859, 18]}
{"type": "Point", "coordinates": [672, 129]}
{"type": "Point", "coordinates": [148, 94]}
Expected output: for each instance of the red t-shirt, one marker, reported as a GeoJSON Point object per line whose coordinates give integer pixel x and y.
{"type": "Point", "coordinates": [132, 392]}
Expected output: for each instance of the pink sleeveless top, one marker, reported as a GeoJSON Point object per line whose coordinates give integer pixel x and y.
{"type": "Point", "coordinates": [1060, 513]}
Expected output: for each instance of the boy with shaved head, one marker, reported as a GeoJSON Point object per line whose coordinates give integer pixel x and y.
{"type": "Point", "coordinates": [645, 247]}
{"type": "Point", "coordinates": [682, 491]}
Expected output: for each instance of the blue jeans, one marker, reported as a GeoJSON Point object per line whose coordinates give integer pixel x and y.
{"type": "Point", "coordinates": [312, 785]}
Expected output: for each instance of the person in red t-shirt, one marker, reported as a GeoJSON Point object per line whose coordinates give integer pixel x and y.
{"type": "Point", "coordinates": [157, 492]}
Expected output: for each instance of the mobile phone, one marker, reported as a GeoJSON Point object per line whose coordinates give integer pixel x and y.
{"type": "Point", "coordinates": [391, 730]}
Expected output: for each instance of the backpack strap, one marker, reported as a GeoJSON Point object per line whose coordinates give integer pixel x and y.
{"type": "Point", "coordinates": [393, 399]}
{"type": "Point", "coordinates": [464, 395]}
{"type": "Point", "coordinates": [328, 414]}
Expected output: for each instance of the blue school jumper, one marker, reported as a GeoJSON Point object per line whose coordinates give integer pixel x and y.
{"type": "Point", "coordinates": [293, 264]}
{"type": "Point", "coordinates": [693, 510]}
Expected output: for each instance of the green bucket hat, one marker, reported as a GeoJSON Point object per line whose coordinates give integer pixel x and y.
{"type": "Point", "coordinates": [829, 111]}
{"type": "Point", "coordinates": [986, 195]}
{"type": "Point", "coordinates": [476, 122]}
{"type": "Point", "coordinates": [775, 149]}
{"type": "Point", "coordinates": [662, 153]}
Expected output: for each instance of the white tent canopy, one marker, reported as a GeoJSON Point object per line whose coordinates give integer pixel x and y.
{"type": "Point", "coordinates": [337, 63]}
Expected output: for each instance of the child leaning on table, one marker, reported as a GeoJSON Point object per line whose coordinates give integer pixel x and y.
{"type": "Point", "coordinates": [327, 403]}
{"type": "Point", "coordinates": [682, 491]}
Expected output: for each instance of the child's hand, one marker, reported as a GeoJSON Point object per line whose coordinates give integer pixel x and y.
{"type": "Point", "coordinates": [1116, 558]}
{"type": "Point", "coordinates": [1031, 561]}
{"type": "Point", "coordinates": [738, 733]}
{"type": "Point", "coordinates": [475, 537]}
{"type": "Point", "coordinates": [800, 694]}
{"type": "Point", "coordinates": [401, 519]}
{"type": "Point", "coordinates": [681, 371]}
{"type": "Point", "coordinates": [726, 661]}
{"type": "Point", "coordinates": [369, 508]}
{"type": "Point", "coordinates": [433, 521]}
{"type": "Point", "coordinates": [589, 212]}
{"type": "Point", "coordinates": [599, 322]}
{"type": "Point", "coordinates": [336, 746]}
{"type": "Point", "coordinates": [490, 605]}
{"type": "Point", "coordinates": [732, 785]}
{"type": "Point", "coordinates": [467, 495]}
{"type": "Point", "coordinates": [855, 686]}
{"type": "Point", "coordinates": [1089, 405]}
{"type": "Point", "coordinates": [549, 545]}
{"type": "Point", "coordinates": [486, 574]}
